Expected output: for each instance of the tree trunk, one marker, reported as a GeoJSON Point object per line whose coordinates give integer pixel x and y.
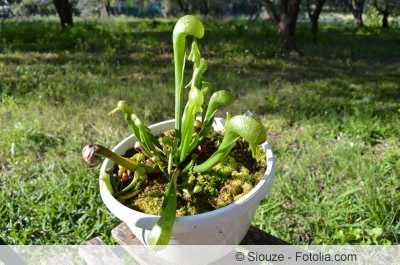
{"type": "Point", "coordinates": [285, 22]}
{"type": "Point", "coordinates": [64, 11]}
{"type": "Point", "coordinates": [106, 8]}
{"type": "Point", "coordinates": [165, 7]}
{"type": "Point", "coordinates": [357, 9]}
{"type": "Point", "coordinates": [385, 21]}
{"type": "Point", "coordinates": [184, 6]}
{"type": "Point", "coordinates": [314, 16]}
{"type": "Point", "coordinates": [255, 10]}
{"type": "Point", "coordinates": [359, 20]}
{"type": "Point", "coordinates": [206, 7]}
{"type": "Point", "coordinates": [287, 41]}
{"type": "Point", "coordinates": [314, 25]}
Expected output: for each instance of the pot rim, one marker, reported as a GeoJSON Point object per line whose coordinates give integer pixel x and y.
{"type": "Point", "coordinates": [268, 177]}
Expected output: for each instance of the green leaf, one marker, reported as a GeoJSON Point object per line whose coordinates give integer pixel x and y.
{"type": "Point", "coordinates": [196, 99]}
{"type": "Point", "coordinates": [105, 180]}
{"type": "Point", "coordinates": [187, 25]}
{"type": "Point", "coordinates": [206, 88]}
{"type": "Point", "coordinates": [161, 232]}
{"type": "Point", "coordinates": [251, 130]}
{"type": "Point", "coordinates": [148, 140]}
{"type": "Point", "coordinates": [141, 132]}
{"type": "Point", "coordinates": [198, 72]}
{"type": "Point", "coordinates": [123, 106]}
{"type": "Point", "coordinates": [199, 66]}
{"type": "Point", "coordinates": [217, 99]}
{"type": "Point", "coordinates": [136, 178]}
{"type": "Point", "coordinates": [127, 109]}
{"type": "Point", "coordinates": [195, 55]}
{"type": "Point", "coordinates": [190, 164]}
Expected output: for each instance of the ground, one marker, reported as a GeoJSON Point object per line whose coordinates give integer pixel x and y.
{"type": "Point", "coordinates": [332, 118]}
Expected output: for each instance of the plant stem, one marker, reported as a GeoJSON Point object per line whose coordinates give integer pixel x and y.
{"type": "Point", "coordinates": [187, 25]}
{"type": "Point", "coordinates": [90, 151]}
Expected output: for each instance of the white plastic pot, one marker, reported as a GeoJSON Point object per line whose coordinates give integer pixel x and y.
{"type": "Point", "coordinates": [224, 226]}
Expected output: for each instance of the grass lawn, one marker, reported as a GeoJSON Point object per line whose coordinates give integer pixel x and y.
{"type": "Point", "coordinates": [332, 118]}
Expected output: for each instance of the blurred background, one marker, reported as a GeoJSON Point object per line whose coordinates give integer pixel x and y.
{"type": "Point", "coordinates": [322, 76]}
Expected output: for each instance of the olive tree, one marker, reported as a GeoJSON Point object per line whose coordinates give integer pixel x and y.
{"type": "Point", "coordinates": [64, 11]}
{"type": "Point", "coordinates": [357, 8]}
{"type": "Point", "coordinates": [314, 9]}
{"type": "Point", "coordinates": [285, 20]}
{"type": "Point", "coordinates": [386, 8]}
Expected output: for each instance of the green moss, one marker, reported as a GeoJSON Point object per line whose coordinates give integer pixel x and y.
{"type": "Point", "coordinates": [139, 157]}
{"type": "Point", "coordinates": [226, 167]}
{"type": "Point", "coordinates": [236, 185]}
{"type": "Point", "coordinates": [225, 183]}
{"type": "Point", "coordinates": [242, 174]}
{"type": "Point", "coordinates": [148, 204]}
{"type": "Point", "coordinates": [238, 197]}
{"type": "Point", "coordinates": [224, 199]}
{"type": "Point", "coordinates": [247, 187]}
{"type": "Point", "coordinates": [186, 210]}
{"type": "Point", "coordinates": [209, 183]}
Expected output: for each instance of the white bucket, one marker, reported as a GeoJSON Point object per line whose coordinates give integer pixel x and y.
{"type": "Point", "coordinates": [224, 226]}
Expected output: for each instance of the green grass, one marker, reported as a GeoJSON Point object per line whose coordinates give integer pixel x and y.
{"type": "Point", "coordinates": [332, 118]}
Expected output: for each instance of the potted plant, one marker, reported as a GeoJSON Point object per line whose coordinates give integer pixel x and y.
{"type": "Point", "coordinates": [186, 159]}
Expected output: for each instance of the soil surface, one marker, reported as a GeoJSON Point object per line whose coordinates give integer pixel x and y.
{"type": "Point", "coordinates": [225, 183]}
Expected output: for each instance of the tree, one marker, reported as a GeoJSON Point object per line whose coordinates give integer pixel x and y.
{"type": "Point", "coordinates": [314, 14]}
{"type": "Point", "coordinates": [64, 11]}
{"type": "Point", "coordinates": [219, 8]}
{"type": "Point", "coordinates": [165, 6]}
{"type": "Point", "coordinates": [205, 10]}
{"type": "Point", "coordinates": [285, 22]}
{"type": "Point", "coordinates": [169, 7]}
{"type": "Point", "coordinates": [357, 8]}
{"type": "Point", "coordinates": [386, 8]}
{"type": "Point", "coordinates": [184, 5]}
{"type": "Point", "coordinates": [106, 8]}
{"type": "Point", "coordinates": [254, 9]}
{"type": "Point", "coordinates": [89, 8]}
{"type": "Point", "coordinates": [202, 6]}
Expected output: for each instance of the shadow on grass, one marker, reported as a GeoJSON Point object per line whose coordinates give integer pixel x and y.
{"type": "Point", "coordinates": [342, 68]}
